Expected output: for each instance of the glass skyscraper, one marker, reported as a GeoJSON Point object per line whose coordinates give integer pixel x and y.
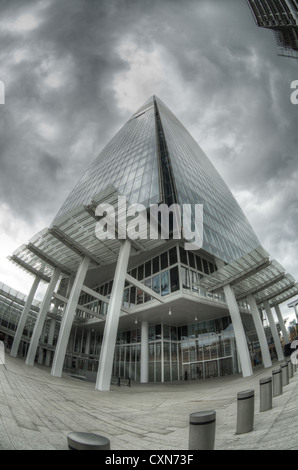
{"type": "Point", "coordinates": [153, 159]}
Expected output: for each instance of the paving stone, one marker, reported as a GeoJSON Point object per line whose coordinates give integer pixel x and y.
{"type": "Point", "coordinates": [37, 411]}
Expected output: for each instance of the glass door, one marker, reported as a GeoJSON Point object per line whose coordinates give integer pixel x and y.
{"type": "Point", "coordinates": [211, 369]}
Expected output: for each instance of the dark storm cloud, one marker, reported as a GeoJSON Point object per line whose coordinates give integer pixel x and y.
{"type": "Point", "coordinates": [218, 72]}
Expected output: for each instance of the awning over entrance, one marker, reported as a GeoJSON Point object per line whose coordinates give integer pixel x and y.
{"type": "Point", "coordinates": [254, 274]}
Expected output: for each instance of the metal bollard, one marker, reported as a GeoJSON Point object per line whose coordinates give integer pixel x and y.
{"type": "Point", "coordinates": [245, 411]}
{"type": "Point", "coordinates": [266, 394]}
{"type": "Point", "coordinates": [202, 430]}
{"type": "Point", "coordinates": [284, 373]}
{"type": "Point", "coordinates": [290, 368]}
{"type": "Point", "coordinates": [277, 382]}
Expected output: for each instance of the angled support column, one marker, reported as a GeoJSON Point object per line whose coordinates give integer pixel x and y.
{"type": "Point", "coordinates": [50, 340]}
{"type": "Point", "coordinates": [296, 312]}
{"type": "Point", "coordinates": [44, 308]}
{"type": "Point", "coordinates": [23, 318]}
{"type": "Point", "coordinates": [274, 331]}
{"type": "Point", "coordinates": [105, 367]}
{"type": "Point", "coordinates": [240, 335]}
{"type": "Point", "coordinates": [260, 331]}
{"type": "Point", "coordinates": [68, 317]}
{"type": "Point", "coordinates": [282, 324]}
{"type": "Point", "coordinates": [144, 352]}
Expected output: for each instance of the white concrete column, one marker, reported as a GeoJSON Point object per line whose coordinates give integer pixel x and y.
{"type": "Point", "coordinates": [296, 312]}
{"type": "Point", "coordinates": [50, 340]}
{"type": "Point", "coordinates": [282, 324]}
{"type": "Point", "coordinates": [88, 340]}
{"type": "Point", "coordinates": [240, 335]}
{"type": "Point", "coordinates": [105, 366]}
{"type": "Point", "coordinates": [144, 352]}
{"type": "Point", "coordinates": [68, 317]}
{"type": "Point", "coordinates": [44, 308]}
{"type": "Point", "coordinates": [260, 331]}
{"type": "Point", "coordinates": [23, 318]}
{"type": "Point", "coordinates": [274, 331]}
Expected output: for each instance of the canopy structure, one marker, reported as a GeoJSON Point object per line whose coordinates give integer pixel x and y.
{"type": "Point", "coordinates": [254, 274]}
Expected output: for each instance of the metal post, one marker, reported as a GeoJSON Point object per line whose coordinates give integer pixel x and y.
{"type": "Point", "coordinates": [277, 382]}
{"type": "Point", "coordinates": [245, 411]}
{"type": "Point", "coordinates": [202, 430]}
{"type": "Point", "coordinates": [266, 394]}
{"type": "Point", "coordinates": [284, 373]}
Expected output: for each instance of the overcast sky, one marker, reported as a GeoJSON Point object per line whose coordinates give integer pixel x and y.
{"type": "Point", "coordinates": [75, 70]}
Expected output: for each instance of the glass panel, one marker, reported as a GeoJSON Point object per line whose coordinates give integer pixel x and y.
{"type": "Point", "coordinates": [174, 275]}
{"type": "Point", "coordinates": [148, 269]}
{"type": "Point", "coordinates": [191, 258]}
{"type": "Point", "coordinates": [126, 298]}
{"type": "Point", "coordinates": [205, 266]}
{"type": "Point", "coordinates": [156, 283]}
{"type": "Point", "coordinates": [183, 256]}
{"type": "Point", "coordinates": [185, 278]}
{"type": "Point", "coordinates": [173, 255]}
{"type": "Point", "coordinates": [132, 296]}
{"type": "Point", "coordinates": [140, 272]}
{"type": "Point", "coordinates": [165, 288]}
{"type": "Point", "coordinates": [155, 264]}
{"type": "Point", "coordinates": [194, 281]}
{"type": "Point", "coordinates": [147, 297]}
{"type": "Point", "coordinates": [199, 263]}
{"type": "Point", "coordinates": [164, 260]}
{"type": "Point", "coordinates": [140, 296]}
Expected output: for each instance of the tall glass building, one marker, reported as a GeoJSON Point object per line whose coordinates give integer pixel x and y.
{"type": "Point", "coordinates": [147, 309]}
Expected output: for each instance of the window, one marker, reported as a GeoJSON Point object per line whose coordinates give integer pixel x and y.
{"type": "Point", "coordinates": [133, 296]}
{"type": "Point", "coordinates": [147, 297]}
{"type": "Point", "coordinates": [185, 278]}
{"type": "Point", "coordinates": [140, 272]}
{"type": "Point", "coordinates": [174, 277]}
{"type": "Point", "coordinates": [156, 283]}
{"type": "Point", "coordinates": [164, 260]}
{"type": "Point", "coordinates": [165, 288]}
{"type": "Point", "coordinates": [199, 263]}
{"type": "Point", "coordinates": [205, 265]}
{"type": "Point", "coordinates": [148, 269]}
{"type": "Point", "coordinates": [194, 281]}
{"type": "Point", "coordinates": [155, 263]}
{"type": "Point", "coordinates": [183, 256]}
{"type": "Point", "coordinates": [173, 256]}
{"type": "Point", "coordinates": [191, 258]}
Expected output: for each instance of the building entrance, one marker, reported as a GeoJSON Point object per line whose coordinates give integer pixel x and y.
{"type": "Point", "coordinates": [209, 369]}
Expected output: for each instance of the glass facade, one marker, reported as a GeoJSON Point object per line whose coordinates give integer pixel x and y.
{"type": "Point", "coordinates": [196, 351]}
{"type": "Point", "coordinates": [128, 162]}
{"type": "Point", "coordinates": [227, 233]}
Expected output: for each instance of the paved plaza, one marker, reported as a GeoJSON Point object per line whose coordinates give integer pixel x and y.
{"type": "Point", "coordinates": [37, 411]}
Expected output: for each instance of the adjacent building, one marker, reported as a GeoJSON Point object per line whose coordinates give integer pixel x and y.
{"type": "Point", "coordinates": [281, 17]}
{"type": "Point", "coordinates": [136, 304]}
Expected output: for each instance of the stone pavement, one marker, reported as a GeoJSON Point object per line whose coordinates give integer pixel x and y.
{"type": "Point", "coordinates": [37, 411]}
